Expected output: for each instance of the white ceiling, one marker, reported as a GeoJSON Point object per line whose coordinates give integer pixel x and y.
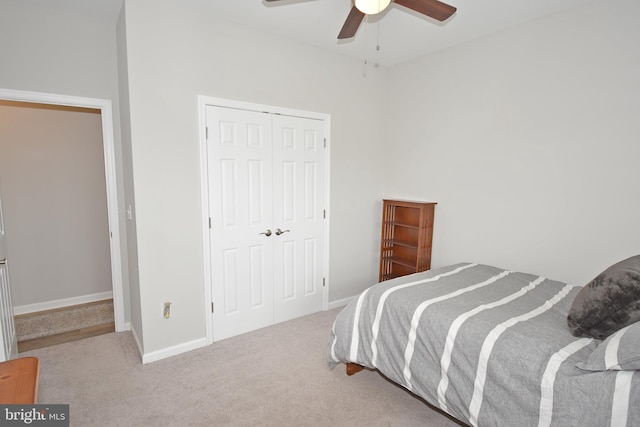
{"type": "Point", "coordinates": [401, 33]}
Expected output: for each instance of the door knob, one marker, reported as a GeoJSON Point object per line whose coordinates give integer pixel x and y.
{"type": "Point", "coordinates": [279, 232]}
{"type": "Point", "coordinates": [267, 233]}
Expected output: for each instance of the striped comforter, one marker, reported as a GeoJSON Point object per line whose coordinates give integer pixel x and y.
{"type": "Point", "coordinates": [488, 346]}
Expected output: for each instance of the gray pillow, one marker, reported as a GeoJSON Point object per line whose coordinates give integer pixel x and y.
{"type": "Point", "coordinates": [609, 302]}
{"type": "Point", "coordinates": [619, 352]}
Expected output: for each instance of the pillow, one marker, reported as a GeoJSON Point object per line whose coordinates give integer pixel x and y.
{"type": "Point", "coordinates": [619, 352]}
{"type": "Point", "coordinates": [609, 302]}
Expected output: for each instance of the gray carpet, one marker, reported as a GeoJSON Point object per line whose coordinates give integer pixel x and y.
{"type": "Point", "coordinates": [52, 322]}
{"type": "Point", "coordinates": [276, 376]}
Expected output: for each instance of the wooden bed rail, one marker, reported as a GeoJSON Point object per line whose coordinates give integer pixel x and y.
{"type": "Point", "coordinates": [353, 368]}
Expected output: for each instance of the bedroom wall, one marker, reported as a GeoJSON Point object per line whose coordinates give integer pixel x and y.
{"type": "Point", "coordinates": [529, 141]}
{"type": "Point", "coordinates": [60, 48]}
{"type": "Point", "coordinates": [177, 50]}
{"type": "Point", "coordinates": [55, 203]}
{"type": "Point", "coordinates": [129, 199]}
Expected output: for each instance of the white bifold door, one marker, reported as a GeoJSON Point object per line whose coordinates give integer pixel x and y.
{"type": "Point", "coordinates": [266, 207]}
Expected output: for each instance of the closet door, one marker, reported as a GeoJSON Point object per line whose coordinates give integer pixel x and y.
{"type": "Point", "coordinates": [240, 207]}
{"type": "Point", "coordinates": [266, 204]}
{"type": "Point", "coordinates": [298, 176]}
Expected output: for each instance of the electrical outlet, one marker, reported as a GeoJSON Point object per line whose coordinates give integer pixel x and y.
{"type": "Point", "coordinates": [166, 310]}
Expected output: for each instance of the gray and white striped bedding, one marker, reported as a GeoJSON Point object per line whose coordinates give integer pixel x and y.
{"type": "Point", "coordinates": [490, 347]}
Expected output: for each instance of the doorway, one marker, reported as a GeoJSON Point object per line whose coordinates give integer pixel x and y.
{"type": "Point", "coordinates": [266, 204]}
{"type": "Point", "coordinates": [111, 250]}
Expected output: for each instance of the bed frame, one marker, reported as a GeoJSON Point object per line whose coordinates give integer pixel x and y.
{"type": "Point", "coordinates": [353, 368]}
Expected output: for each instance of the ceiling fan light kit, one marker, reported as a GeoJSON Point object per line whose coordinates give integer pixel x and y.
{"type": "Point", "coordinates": [371, 7]}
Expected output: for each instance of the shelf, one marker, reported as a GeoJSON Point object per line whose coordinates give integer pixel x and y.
{"type": "Point", "coordinates": [407, 230]}
{"type": "Point", "coordinates": [401, 261]}
{"type": "Point", "coordinates": [391, 276]}
{"type": "Point", "coordinates": [392, 270]}
{"type": "Point", "coordinates": [408, 244]}
{"type": "Point", "coordinates": [401, 224]}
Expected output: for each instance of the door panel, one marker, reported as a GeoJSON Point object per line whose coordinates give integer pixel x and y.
{"type": "Point", "coordinates": [239, 159]}
{"type": "Point", "coordinates": [298, 159]}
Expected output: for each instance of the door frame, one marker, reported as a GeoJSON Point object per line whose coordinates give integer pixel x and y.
{"type": "Point", "coordinates": [203, 103]}
{"type": "Point", "coordinates": [104, 105]}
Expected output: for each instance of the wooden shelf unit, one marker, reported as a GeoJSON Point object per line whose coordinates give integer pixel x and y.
{"type": "Point", "coordinates": [407, 233]}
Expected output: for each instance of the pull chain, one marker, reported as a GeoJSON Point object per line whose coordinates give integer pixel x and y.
{"type": "Point", "coordinates": [366, 32]}
{"type": "Point", "coordinates": [378, 44]}
{"type": "Point", "coordinates": [366, 39]}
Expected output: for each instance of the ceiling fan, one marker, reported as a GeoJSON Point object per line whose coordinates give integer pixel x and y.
{"type": "Point", "coordinates": [431, 8]}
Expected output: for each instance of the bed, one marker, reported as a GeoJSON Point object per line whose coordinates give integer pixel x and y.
{"type": "Point", "coordinates": [493, 347]}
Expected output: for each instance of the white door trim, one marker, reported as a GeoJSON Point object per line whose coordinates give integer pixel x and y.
{"type": "Point", "coordinates": [203, 102]}
{"type": "Point", "coordinates": [104, 106]}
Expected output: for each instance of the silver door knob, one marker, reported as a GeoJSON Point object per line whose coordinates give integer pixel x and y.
{"type": "Point", "coordinates": [279, 232]}
{"type": "Point", "coordinates": [266, 233]}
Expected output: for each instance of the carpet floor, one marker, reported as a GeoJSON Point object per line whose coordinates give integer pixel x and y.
{"type": "Point", "coordinates": [276, 376]}
{"type": "Point", "coordinates": [61, 320]}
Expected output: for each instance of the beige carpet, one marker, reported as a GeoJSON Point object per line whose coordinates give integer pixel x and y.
{"type": "Point", "coordinates": [276, 376]}
{"type": "Point", "coordinates": [57, 321]}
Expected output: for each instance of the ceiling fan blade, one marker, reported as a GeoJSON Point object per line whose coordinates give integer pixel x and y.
{"type": "Point", "coordinates": [352, 23]}
{"type": "Point", "coordinates": [432, 8]}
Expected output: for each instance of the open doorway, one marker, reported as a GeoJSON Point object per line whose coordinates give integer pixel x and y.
{"type": "Point", "coordinates": [60, 194]}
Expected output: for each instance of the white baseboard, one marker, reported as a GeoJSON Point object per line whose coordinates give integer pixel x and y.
{"type": "Point", "coordinates": [340, 302]}
{"type": "Point", "coordinates": [137, 341]}
{"type": "Point", "coordinates": [174, 350]}
{"type": "Point", "coordinates": [59, 303]}
{"type": "Point", "coordinates": [201, 342]}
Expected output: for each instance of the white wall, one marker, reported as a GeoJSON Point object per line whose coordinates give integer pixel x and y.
{"type": "Point", "coordinates": [129, 200]}
{"type": "Point", "coordinates": [177, 50]}
{"type": "Point", "coordinates": [529, 141]}
{"type": "Point", "coordinates": [55, 202]}
{"type": "Point", "coordinates": [54, 47]}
